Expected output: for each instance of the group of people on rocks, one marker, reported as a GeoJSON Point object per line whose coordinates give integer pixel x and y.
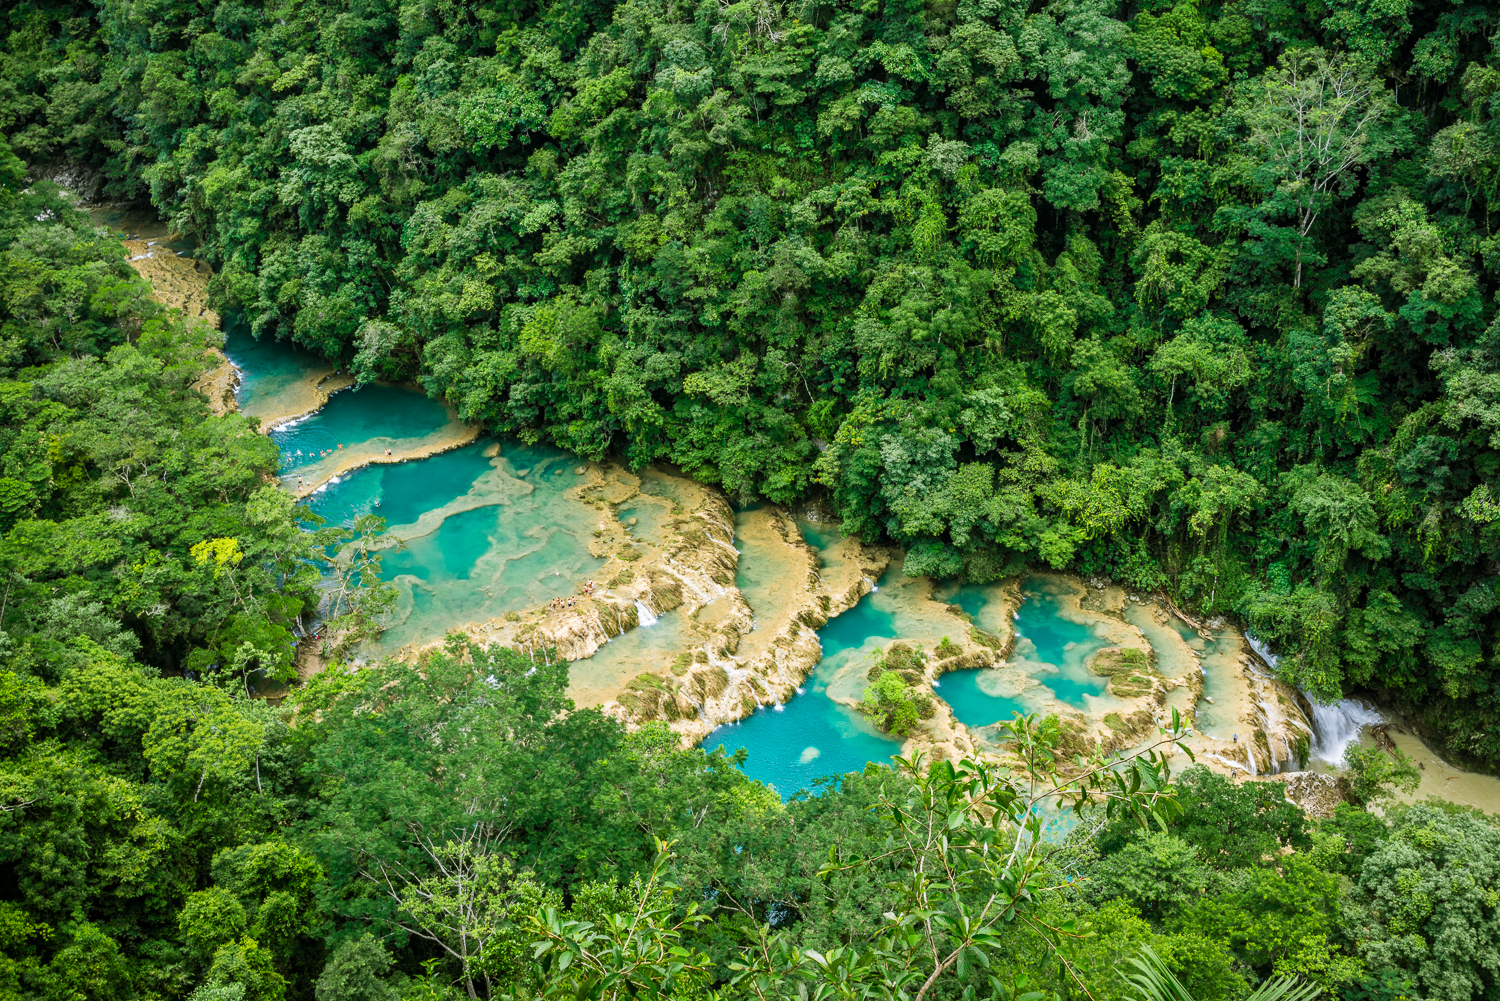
{"type": "Point", "coordinates": [325, 453]}
{"type": "Point", "coordinates": [558, 604]}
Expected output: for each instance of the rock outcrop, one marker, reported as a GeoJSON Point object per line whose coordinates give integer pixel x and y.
{"type": "Point", "coordinates": [727, 683]}
{"type": "Point", "coordinates": [181, 283]}
{"type": "Point", "coordinates": [1318, 793]}
{"type": "Point", "coordinates": [689, 564]}
{"type": "Point", "coordinates": [739, 658]}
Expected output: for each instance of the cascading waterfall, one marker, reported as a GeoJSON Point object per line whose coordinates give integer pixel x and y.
{"type": "Point", "coordinates": [1261, 649]}
{"type": "Point", "coordinates": [1335, 726]}
{"type": "Point", "coordinates": [647, 617]}
{"type": "Point", "coordinates": [1283, 756]}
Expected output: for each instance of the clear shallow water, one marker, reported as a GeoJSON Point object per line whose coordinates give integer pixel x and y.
{"type": "Point", "coordinates": [1050, 648]}
{"type": "Point", "coordinates": [812, 736]}
{"type": "Point", "coordinates": [1219, 658]}
{"type": "Point", "coordinates": [270, 369]}
{"type": "Point", "coordinates": [770, 574]}
{"type": "Point", "coordinates": [1221, 665]}
{"type": "Point", "coordinates": [372, 418]}
{"type": "Point", "coordinates": [139, 224]}
{"type": "Point", "coordinates": [484, 536]}
{"type": "Point", "coordinates": [593, 680]}
{"type": "Point", "coordinates": [820, 536]}
{"type": "Point", "coordinates": [657, 484]}
{"type": "Point", "coordinates": [650, 519]}
{"type": "Point", "coordinates": [982, 603]}
{"type": "Point", "coordinates": [1053, 648]}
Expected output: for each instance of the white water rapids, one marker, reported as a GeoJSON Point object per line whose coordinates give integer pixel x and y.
{"type": "Point", "coordinates": [1335, 726]}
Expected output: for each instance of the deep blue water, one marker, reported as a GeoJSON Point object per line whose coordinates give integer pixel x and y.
{"type": "Point", "coordinates": [812, 736]}
{"type": "Point", "coordinates": [972, 705]}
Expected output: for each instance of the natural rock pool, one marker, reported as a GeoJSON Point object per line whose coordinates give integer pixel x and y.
{"type": "Point", "coordinates": [740, 628]}
{"type": "Point", "coordinates": [487, 530]}
{"type": "Point", "coordinates": [278, 381]}
{"type": "Point", "coordinates": [701, 615]}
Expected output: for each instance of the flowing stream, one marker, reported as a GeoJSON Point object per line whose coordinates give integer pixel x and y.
{"type": "Point", "coordinates": [487, 527]}
{"type": "Point", "coordinates": [1340, 724]}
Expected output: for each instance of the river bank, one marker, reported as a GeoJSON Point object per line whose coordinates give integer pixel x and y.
{"type": "Point", "coordinates": [704, 616]}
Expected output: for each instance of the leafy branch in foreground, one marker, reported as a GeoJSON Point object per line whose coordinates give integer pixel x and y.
{"type": "Point", "coordinates": [638, 954]}
{"type": "Point", "coordinates": [1156, 982]}
{"type": "Point", "coordinates": [355, 597]}
{"type": "Point", "coordinates": [967, 842]}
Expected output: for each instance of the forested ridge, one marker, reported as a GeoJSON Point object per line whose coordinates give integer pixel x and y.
{"type": "Point", "coordinates": [458, 829]}
{"type": "Point", "coordinates": [1195, 296]}
{"type": "Point", "coordinates": [1199, 297]}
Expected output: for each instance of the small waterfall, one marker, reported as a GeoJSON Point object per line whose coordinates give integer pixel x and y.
{"type": "Point", "coordinates": [647, 617]}
{"type": "Point", "coordinates": [1222, 760]}
{"type": "Point", "coordinates": [1263, 650]}
{"type": "Point", "coordinates": [1335, 727]}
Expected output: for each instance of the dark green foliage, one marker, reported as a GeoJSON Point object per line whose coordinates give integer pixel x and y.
{"type": "Point", "coordinates": [717, 240]}
{"type": "Point", "coordinates": [893, 701]}
{"type": "Point", "coordinates": [1012, 283]}
{"type": "Point", "coordinates": [1005, 283]}
{"type": "Point", "coordinates": [1422, 895]}
{"type": "Point", "coordinates": [1230, 825]}
{"type": "Point", "coordinates": [354, 973]}
{"type": "Point", "coordinates": [1358, 830]}
{"type": "Point", "coordinates": [1284, 918]}
{"type": "Point", "coordinates": [1158, 873]}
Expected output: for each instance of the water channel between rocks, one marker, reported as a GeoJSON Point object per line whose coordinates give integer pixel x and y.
{"type": "Point", "coordinates": [491, 531]}
{"type": "Point", "coordinates": [490, 528]}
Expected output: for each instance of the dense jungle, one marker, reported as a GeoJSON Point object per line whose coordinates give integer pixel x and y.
{"type": "Point", "coordinates": [1196, 297]}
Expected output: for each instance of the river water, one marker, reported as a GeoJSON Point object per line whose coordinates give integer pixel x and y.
{"type": "Point", "coordinates": [488, 527]}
